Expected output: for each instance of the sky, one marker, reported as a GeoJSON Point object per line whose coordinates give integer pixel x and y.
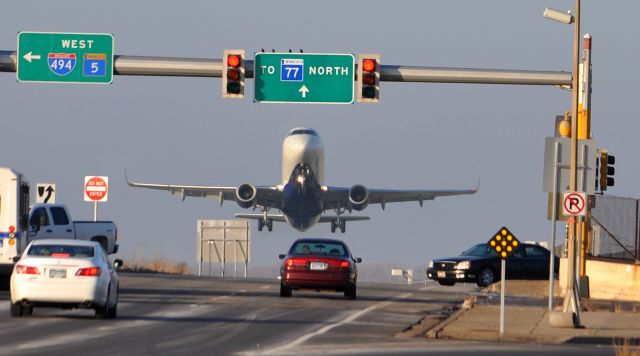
{"type": "Point", "coordinates": [420, 135]}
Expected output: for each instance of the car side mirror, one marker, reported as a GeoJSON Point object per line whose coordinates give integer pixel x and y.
{"type": "Point", "coordinates": [117, 264]}
{"type": "Point", "coordinates": [16, 258]}
{"type": "Point", "coordinates": [358, 260]}
{"type": "Point", "coordinates": [282, 256]}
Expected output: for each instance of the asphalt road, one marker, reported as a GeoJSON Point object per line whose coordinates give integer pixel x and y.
{"type": "Point", "coordinates": [161, 314]}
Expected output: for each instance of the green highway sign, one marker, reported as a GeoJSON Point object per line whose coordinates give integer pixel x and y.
{"type": "Point", "coordinates": [304, 78]}
{"type": "Point", "coordinates": [65, 57]}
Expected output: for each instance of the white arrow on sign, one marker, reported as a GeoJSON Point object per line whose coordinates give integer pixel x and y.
{"type": "Point", "coordinates": [29, 56]}
{"type": "Point", "coordinates": [304, 90]}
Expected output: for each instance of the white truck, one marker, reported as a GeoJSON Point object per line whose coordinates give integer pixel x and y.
{"type": "Point", "coordinates": [19, 226]}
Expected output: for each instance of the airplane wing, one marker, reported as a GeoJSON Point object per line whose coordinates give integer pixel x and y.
{"type": "Point", "coordinates": [280, 217]}
{"type": "Point", "coordinates": [265, 195]}
{"type": "Point", "coordinates": [339, 196]}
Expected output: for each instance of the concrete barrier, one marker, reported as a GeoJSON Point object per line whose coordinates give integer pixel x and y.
{"type": "Point", "coordinates": [608, 280]}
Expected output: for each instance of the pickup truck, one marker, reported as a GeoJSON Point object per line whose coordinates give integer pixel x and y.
{"type": "Point", "coordinates": [51, 221]}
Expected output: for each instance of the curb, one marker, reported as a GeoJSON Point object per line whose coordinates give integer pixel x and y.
{"type": "Point", "coordinates": [468, 303]}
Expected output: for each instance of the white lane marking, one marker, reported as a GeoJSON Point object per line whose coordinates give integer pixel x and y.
{"type": "Point", "coordinates": [326, 328]}
{"type": "Point", "coordinates": [265, 287]}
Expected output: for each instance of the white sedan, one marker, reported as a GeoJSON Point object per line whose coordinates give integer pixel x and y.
{"type": "Point", "coordinates": [65, 274]}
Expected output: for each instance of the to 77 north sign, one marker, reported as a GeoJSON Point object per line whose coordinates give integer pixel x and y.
{"type": "Point", "coordinates": [65, 57]}
{"type": "Point", "coordinates": [304, 78]}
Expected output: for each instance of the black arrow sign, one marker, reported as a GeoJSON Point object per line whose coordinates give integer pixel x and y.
{"type": "Point", "coordinates": [49, 192]}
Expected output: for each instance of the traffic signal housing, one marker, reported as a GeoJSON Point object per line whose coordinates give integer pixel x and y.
{"type": "Point", "coordinates": [368, 88]}
{"type": "Point", "coordinates": [233, 73]}
{"type": "Point", "coordinates": [607, 170]}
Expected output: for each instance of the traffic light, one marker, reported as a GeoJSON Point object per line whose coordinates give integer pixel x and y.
{"type": "Point", "coordinates": [368, 88]}
{"type": "Point", "coordinates": [607, 170]}
{"type": "Point", "coordinates": [233, 73]}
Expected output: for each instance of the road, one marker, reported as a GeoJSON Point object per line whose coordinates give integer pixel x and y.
{"type": "Point", "coordinates": [160, 314]}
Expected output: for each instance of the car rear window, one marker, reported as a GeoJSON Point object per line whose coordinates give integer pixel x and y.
{"type": "Point", "coordinates": [319, 248]}
{"type": "Point", "coordinates": [61, 251]}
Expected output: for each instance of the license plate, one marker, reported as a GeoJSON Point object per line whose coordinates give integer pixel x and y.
{"type": "Point", "coordinates": [442, 274]}
{"type": "Point", "coordinates": [317, 266]}
{"type": "Point", "coordinates": [57, 273]}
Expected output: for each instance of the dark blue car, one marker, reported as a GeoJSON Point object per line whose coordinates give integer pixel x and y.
{"type": "Point", "coordinates": [480, 264]}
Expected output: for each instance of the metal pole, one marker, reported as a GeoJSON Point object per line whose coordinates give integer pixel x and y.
{"type": "Point", "coordinates": [200, 259]}
{"type": "Point", "coordinates": [224, 246]}
{"type": "Point", "coordinates": [554, 217]}
{"type": "Point", "coordinates": [570, 300]}
{"type": "Point", "coordinates": [205, 67]}
{"type": "Point", "coordinates": [246, 252]}
{"type": "Point", "coordinates": [502, 283]}
{"type": "Point", "coordinates": [95, 210]}
{"type": "Point", "coordinates": [235, 258]}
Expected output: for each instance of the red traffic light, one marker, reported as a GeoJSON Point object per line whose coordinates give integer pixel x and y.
{"type": "Point", "coordinates": [368, 65]}
{"type": "Point", "coordinates": [233, 61]}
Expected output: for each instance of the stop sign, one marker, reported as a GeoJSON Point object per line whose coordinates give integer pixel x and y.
{"type": "Point", "coordinates": [96, 188]}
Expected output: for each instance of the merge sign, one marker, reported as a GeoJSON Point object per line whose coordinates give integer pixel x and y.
{"type": "Point", "coordinates": [65, 57]}
{"type": "Point", "coordinates": [310, 78]}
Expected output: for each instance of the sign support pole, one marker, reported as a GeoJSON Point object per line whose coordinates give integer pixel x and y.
{"type": "Point", "coordinates": [502, 283]}
{"type": "Point", "coordinates": [554, 217]}
{"type": "Point", "coordinates": [95, 211]}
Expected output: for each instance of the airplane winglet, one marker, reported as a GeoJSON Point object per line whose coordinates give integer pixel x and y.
{"type": "Point", "coordinates": [126, 179]}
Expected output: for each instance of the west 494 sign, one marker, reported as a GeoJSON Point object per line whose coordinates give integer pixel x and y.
{"type": "Point", "coordinates": [65, 57]}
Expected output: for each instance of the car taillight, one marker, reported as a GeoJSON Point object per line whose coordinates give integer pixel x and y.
{"type": "Point", "coordinates": [89, 272]}
{"type": "Point", "coordinates": [290, 262]}
{"type": "Point", "coordinates": [22, 269]}
{"type": "Point", "coordinates": [59, 255]}
{"type": "Point", "coordinates": [344, 264]}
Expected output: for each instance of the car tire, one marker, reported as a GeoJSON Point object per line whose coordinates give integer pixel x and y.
{"type": "Point", "coordinates": [350, 292]}
{"type": "Point", "coordinates": [112, 311]}
{"type": "Point", "coordinates": [102, 311]}
{"type": "Point", "coordinates": [16, 310]}
{"type": "Point", "coordinates": [27, 311]}
{"type": "Point", "coordinates": [284, 290]}
{"type": "Point", "coordinates": [487, 276]}
{"type": "Point", "coordinates": [446, 283]}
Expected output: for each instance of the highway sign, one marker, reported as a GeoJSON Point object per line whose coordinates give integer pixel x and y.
{"type": "Point", "coordinates": [311, 78]}
{"type": "Point", "coordinates": [574, 203]}
{"type": "Point", "coordinates": [96, 188]}
{"type": "Point", "coordinates": [65, 57]}
{"type": "Point", "coordinates": [46, 193]}
{"type": "Point", "coordinates": [504, 242]}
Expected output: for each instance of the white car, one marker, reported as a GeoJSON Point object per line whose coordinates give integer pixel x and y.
{"type": "Point", "coordinates": [65, 274]}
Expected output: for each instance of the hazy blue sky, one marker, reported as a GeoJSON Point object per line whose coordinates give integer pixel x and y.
{"type": "Point", "coordinates": [180, 130]}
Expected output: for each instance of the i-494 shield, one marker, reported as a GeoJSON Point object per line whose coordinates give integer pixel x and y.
{"type": "Point", "coordinates": [62, 63]}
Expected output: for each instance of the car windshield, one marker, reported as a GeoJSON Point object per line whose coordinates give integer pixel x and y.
{"type": "Point", "coordinates": [318, 248]}
{"type": "Point", "coordinates": [60, 251]}
{"type": "Point", "coordinates": [481, 250]}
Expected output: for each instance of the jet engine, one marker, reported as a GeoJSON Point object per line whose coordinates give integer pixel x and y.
{"type": "Point", "coordinates": [359, 197]}
{"type": "Point", "coordinates": [246, 195]}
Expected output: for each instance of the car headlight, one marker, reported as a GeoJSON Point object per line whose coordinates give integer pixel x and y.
{"type": "Point", "coordinates": [463, 265]}
{"type": "Point", "coordinates": [431, 264]}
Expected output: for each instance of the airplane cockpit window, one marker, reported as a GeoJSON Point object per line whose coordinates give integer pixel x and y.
{"type": "Point", "coordinates": [303, 132]}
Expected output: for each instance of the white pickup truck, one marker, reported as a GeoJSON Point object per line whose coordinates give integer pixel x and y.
{"type": "Point", "coordinates": [51, 221]}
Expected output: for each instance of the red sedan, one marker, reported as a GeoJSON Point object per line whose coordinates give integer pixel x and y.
{"type": "Point", "coordinates": [319, 264]}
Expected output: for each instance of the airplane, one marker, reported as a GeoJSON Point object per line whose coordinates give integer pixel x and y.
{"type": "Point", "coordinates": [302, 197]}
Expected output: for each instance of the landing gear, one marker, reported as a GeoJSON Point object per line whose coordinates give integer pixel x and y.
{"type": "Point", "coordinates": [341, 224]}
{"type": "Point", "coordinates": [267, 222]}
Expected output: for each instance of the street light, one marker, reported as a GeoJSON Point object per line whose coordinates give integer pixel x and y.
{"type": "Point", "coordinates": [557, 15]}
{"type": "Point", "coordinates": [571, 308]}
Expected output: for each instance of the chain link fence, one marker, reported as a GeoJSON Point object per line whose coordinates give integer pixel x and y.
{"type": "Point", "coordinates": [616, 233]}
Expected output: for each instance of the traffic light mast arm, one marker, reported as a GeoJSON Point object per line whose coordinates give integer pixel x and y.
{"type": "Point", "coordinates": [203, 67]}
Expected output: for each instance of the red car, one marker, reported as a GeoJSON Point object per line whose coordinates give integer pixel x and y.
{"type": "Point", "coordinates": [319, 264]}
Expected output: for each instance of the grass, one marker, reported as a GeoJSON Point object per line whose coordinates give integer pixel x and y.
{"type": "Point", "coordinates": [626, 347]}
{"type": "Point", "coordinates": [159, 263]}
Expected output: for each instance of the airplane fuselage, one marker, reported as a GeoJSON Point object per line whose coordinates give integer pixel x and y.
{"type": "Point", "coordinates": [302, 178]}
